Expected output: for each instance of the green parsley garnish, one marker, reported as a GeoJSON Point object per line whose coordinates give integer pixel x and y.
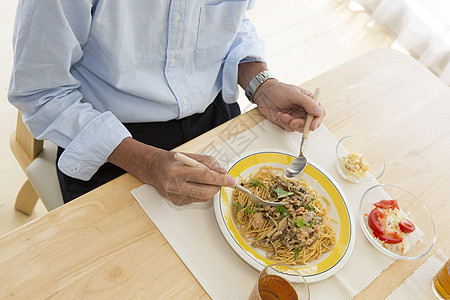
{"type": "Point", "coordinates": [238, 206]}
{"type": "Point", "coordinates": [299, 222]}
{"type": "Point", "coordinates": [309, 207]}
{"type": "Point", "coordinates": [255, 182]}
{"type": "Point", "coordinates": [282, 210]}
{"type": "Point", "coordinates": [249, 210]}
{"type": "Point", "coordinates": [297, 253]}
{"type": "Point", "coordinates": [282, 193]}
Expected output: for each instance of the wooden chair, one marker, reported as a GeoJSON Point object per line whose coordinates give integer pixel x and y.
{"type": "Point", "coordinates": [37, 159]}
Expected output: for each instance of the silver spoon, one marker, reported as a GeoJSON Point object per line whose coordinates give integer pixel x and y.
{"type": "Point", "coordinates": [300, 162]}
{"type": "Point", "coordinates": [253, 198]}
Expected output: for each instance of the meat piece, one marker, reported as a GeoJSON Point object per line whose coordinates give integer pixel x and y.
{"type": "Point", "coordinates": [257, 220]}
{"type": "Point", "coordinates": [283, 224]}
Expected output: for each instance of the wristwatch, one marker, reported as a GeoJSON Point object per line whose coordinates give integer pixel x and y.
{"type": "Point", "coordinates": [255, 83]}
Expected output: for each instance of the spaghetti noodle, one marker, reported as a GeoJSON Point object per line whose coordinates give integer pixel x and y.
{"type": "Point", "coordinates": [294, 233]}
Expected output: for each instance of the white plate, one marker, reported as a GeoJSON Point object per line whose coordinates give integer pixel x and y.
{"type": "Point", "coordinates": [319, 180]}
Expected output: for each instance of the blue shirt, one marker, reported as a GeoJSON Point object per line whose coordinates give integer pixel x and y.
{"type": "Point", "coordinates": [82, 67]}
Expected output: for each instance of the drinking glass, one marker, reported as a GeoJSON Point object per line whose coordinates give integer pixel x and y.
{"type": "Point", "coordinates": [441, 282]}
{"type": "Point", "coordinates": [278, 281]}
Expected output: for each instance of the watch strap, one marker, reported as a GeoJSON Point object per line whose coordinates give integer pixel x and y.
{"type": "Point", "coordinates": [255, 83]}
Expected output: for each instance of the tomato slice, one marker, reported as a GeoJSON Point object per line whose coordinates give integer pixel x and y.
{"type": "Point", "coordinates": [377, 220]}
{"type": "Point", "coordinates": [406, 226]}
{"type": "Point", "coordinates": [389, 237]}
{"type": "Point", "coordinates": [385, 204]}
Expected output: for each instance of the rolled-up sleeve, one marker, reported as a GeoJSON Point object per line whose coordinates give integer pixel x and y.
{"type": "Point", "coordinates": [47, 42]}
{"type": "Point", "coordinates": [246, 48]}
{"type": "Point", "coordinates": [92, 146]}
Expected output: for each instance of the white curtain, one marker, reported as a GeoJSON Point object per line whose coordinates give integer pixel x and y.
{"type": "Point", "coordinates": [422, 27]}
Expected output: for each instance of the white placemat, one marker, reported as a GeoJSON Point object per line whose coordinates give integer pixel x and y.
{"type": "Point", "coordinates": [418, 285]}
{"type": "Point", "coordinates": [193, 233]}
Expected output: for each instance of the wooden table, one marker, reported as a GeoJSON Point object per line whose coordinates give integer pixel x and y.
{"type": "Point", "coordinates": [103, 246]}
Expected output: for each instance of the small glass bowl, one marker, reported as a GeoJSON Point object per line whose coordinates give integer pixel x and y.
{"type": "Point", "coordinates": [421, 240]}
{"type": "Point", "coordinates": [361, 146]}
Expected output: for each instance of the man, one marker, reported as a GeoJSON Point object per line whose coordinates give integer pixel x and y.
{"type": "Point", "coordinates": [117, 83]}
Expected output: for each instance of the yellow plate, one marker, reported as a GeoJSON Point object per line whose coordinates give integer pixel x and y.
{"type": "Point", "coordinates": [329, 263]}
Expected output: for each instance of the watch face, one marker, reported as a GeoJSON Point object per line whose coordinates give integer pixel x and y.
{"type": "Point", "coordinates": [263, 76]}
{"type": "Point", "coordinates": [256, 81]}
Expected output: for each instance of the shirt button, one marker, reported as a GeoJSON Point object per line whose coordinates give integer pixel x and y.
{"type": "Point", "coordinates": [172, 61]}
{"type": "Point", "coordinates": [184, 101]}
{"type": "Point", "coordinates": [177, 17]}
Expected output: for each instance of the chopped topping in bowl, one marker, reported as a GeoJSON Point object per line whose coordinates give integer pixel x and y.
{"type": "Point", "coordinates": [355, 164]}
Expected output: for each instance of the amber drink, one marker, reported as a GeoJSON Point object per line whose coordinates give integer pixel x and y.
{"type": "Point", "coordinates": [280, 282]}
{"type": "Point", "coordinates": [441, 282]}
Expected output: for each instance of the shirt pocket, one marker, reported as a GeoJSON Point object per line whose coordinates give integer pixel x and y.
{"type": "Point", "coordinates": [217, 29]}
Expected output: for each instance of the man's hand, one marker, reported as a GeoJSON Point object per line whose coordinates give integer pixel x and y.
{"type": "Point", "coordinates": [177, 182]}
{"type": "Point", "coordinates": [182, 184]}
{"type": "Point", "coordinates": [287, 105]}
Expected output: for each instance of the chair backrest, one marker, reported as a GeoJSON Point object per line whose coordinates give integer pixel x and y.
{"type": "Point", "coordinates": [39, 164]}
{"type": "Point", "coordinates": [23, 145]}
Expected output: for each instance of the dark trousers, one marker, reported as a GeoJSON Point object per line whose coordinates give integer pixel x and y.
{"type": "Point", "coordinates": [165, 135]}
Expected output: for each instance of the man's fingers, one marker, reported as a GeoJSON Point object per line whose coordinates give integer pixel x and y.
{"type": "Point", "coordinates": [284, 121]}
{"type": "Point", "coordinates": [191, 191]}
{"type": "Point", "coordinates": [285, 118]}
{"type": "Point", "coordinates": [297, 124]}
{"type": "Point", "coordinates": [181, 173]}
{"type": "Point", "coordinates": [207, 177]}
{"type": "Point", "coordinates": [209, 161]}
{"type": "Point", "coordinates": [180, 200]}
{"type": "Point", "coordinates": [186, 184]}
{"type": "Point", "coordinates": [307, 92]}
{"type": "Point", "coordinates": [318, 120]}
{"type": "Point", "coordinates": [305, 99]}
{"type": "Point", "coordinates": [312, 107]}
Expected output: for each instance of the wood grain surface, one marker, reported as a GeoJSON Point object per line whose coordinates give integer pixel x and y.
{"type": "Point", "coordinates": [103, 246]}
